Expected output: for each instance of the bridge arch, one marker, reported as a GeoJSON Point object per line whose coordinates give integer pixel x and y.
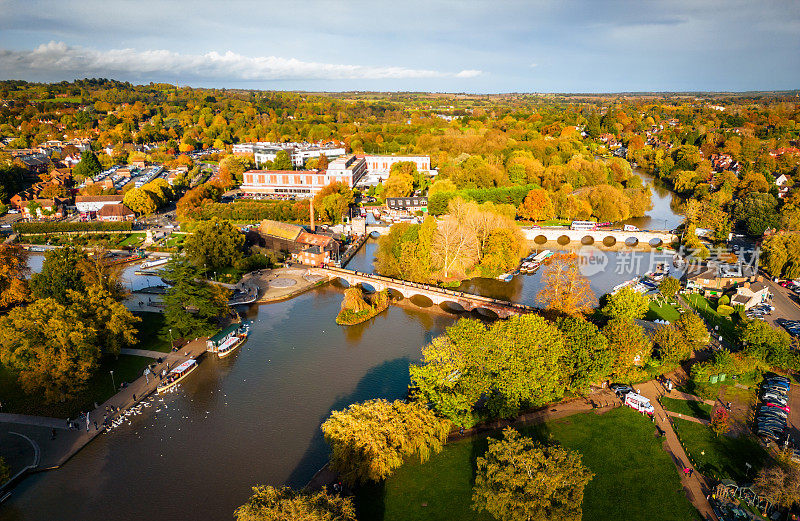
{"type": "Point", "coordinates": [342, 282]}
{"type": "Point", "coordinates": [609, 240]}
{"type": "Point", "coordinates": [564, 240]}
{"type": "Point", "coordinates": [452, 306]}
{"type": "Point", "coordinates": [374, 234]}
{"type": "Point", "coordinates": [368, 287]}
{"type": "Point", "coordinates": [396, 294]}
{"type": "Point", "coordinates": [540, 239]}
{"type": "Point", "coordinates": [631, 241]}
{"type": "Point", "coordinates": [421, 301]}
{"type": "Point", "coordinates": [587, 240]}
{"type": "Point", "coordinates": [655, 242]}
{"type": "Point", "coordinates": [485, 313]}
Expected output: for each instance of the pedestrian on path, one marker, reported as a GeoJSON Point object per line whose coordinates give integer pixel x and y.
{"type": "Point", "coordinates": [691, 472]}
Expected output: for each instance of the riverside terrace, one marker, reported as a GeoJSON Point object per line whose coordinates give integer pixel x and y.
{"type": "Point", "coordinates": [466, 301]}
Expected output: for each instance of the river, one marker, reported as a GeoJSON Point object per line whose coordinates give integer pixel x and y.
{"type": "Point", "coordinates": [255, 416]}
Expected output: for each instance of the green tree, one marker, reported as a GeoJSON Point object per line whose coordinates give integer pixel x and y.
{"type": "Point", "coordinates": [214, 244]}
{"type": "Point", "coordinates": [370, 440]}
{"type": "Point", "coordinates": [268, 503]}
{"type": "Point", "coordinates": [630, 345]}
{"type": "Point", "coordinates": [282, 161]}
{"type": "Point", "coordinates": [88, 166]}
{"type": "Point", "coordinates": [60, 272]}
{"type": "Point", "coordinates": [768, 344]}
{"type": "Point", "coordinates": [672, 344]}
{"type": "Point", "coordinates": [757, 212]}
{"type": "Point", "coordinates": [520, 479]}
{"type": "Point", "coordinates": [192, 305]}
{"type": "Point", "coordinates": [694, 330]}
{"type": "Point", "coordinates": [587, 357]}
{"type": "Point", "coordinates": [669, 287]}
{"type": "Point", "coordinates": [627, 304]}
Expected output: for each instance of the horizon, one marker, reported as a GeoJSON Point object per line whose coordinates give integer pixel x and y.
{"type": "Point", "coordinates": [577, 46]}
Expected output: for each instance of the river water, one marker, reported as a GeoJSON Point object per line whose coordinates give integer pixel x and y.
{"type": "Point", "coordinates": [254, 417]}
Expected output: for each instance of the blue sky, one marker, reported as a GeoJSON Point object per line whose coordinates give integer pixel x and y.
{"type": "Point", "coordinates": [452, 46]}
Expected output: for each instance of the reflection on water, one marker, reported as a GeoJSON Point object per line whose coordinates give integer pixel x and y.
{"type": "Point", "coordinates": [250, 418]}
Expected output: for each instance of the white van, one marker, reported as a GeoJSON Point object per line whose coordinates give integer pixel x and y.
{"type": "Point", "coordinates": [639, 402]}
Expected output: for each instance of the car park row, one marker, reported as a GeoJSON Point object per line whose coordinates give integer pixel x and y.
{"type": "Point", "coordinates": [772, 412]}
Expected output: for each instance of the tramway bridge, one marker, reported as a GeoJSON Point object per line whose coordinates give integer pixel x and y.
{"type": "Point", "coordinates": [600, 237]}
{"type": "Point", "coordinates": [405, 289]}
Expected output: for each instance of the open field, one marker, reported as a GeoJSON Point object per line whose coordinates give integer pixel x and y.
{"type": "Point", "coordinates": [687, 407]}
{"type": "Point", "coordinates": [620, 447]}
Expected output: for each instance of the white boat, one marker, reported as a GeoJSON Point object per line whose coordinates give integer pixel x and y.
{"type": "Point", "coordinates": [623, 285]}
{"type": "Point", "coordinates": [177, 374]}
{"type": "Point", "coordinates": [227, 340]}
{"type": "Point", "coordinates": [505, 277]}
{"type": "Point", "coordinates": [153, 264]}
{"type": "Point", "coordinates": [542, 255]}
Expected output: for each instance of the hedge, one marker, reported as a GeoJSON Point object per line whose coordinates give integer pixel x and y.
{"type": "Point", "coordinates": [437, 203]}
{"type": "Point", "coordinates": [287, 211]}
{"type": "Point", "coordinates": [50, 227]}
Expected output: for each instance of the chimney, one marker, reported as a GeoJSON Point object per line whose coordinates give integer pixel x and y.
{"type": "Point", "coordinates": [311, 211]}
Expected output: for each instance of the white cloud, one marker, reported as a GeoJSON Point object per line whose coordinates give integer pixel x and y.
{"type": "Point", "coordinates": [534, 65]}
{"type": "Point", "coordinates": [469, 73]}
{"type": "Point", "coordinates": [55, 57]}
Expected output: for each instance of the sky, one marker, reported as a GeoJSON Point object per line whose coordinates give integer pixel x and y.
{"type": "Point", "coordinates": [409, 45]}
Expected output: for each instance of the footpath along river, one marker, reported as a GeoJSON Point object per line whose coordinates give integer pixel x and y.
{"type": "Point", "coordinates": [254, 417]}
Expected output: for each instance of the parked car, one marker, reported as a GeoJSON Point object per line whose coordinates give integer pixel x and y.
{"type": "Point", "coordinates": [777, 405]}
{"type": "Point", "coordinates": [620, 389]}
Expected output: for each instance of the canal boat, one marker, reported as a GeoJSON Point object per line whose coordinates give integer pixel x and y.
{"type": "Point", "coordinates": [175, 376]}
{"type": "Point", "coordinates": [227, 340]}
{"type": "Point", "coordinates": [152, 264]}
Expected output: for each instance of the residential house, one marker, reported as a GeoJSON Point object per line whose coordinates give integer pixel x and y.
{"type": "Point", "coordinates": [405, 206]}
{"type": "Point", "coordinates": [93, 203]}
{"type": "Point", "coordinates": [716, 277]}
{"type": "Point", "coordinates": [783, 182]}
{"type": "Point", "coordinates": [751, 294]}
{"type": "Point", "coordinates": [47, 209]}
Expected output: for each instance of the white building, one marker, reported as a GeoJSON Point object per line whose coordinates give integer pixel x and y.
{"type": "Point", "coordinates": [378, 167]}
{"type": "Point", "coordinates": [298, 152]}
{"type": "Point", "coordinates": [92, 203]}
{"type": "Point", "coordinates": [304, 183]}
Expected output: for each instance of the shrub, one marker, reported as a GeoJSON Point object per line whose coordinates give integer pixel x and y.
{"type": "Point", "coordinates": [45, 227]}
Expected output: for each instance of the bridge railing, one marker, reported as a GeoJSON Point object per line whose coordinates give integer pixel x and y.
{"type": "Point", "coordinates": [435, 289]}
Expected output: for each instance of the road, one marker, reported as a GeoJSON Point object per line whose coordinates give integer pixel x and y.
{"type": "Point", "coordinates": [785, 302]}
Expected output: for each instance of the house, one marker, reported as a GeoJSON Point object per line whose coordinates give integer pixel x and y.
{"type": "Point", "coordinates": [406, 205]}
{"type": "Point", "coordinates": [115, 213]}
{"type": "Point", "coordinates": [783, 182]}
{"type": "Point", "coordinates": [715, 277]}
{"type": "Point", "coordinates": [751, 294]}
{"type": "Point", "coordinates": [47, 209]}
{"type": "Point", "coordinates": [313, 256]}
{"type": "Point", "coordinates": [291, 238]}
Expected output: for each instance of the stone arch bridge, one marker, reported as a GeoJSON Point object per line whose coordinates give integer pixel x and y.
{"type": "Point", "coordinates": [609, 238]}
{"type": "Point", "coordinates": [437, 295]}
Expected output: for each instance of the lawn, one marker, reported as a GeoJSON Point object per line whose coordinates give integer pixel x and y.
{"type": "Point", "coordinates": [134, 239]}
{"type": "Point", "coordinates": [662, 310]}
{"type": "Point", "coordinates": [174, 240]}
{"type": "Point", "coordinates": [720, 457]}
{"type": "Point", "coordinates": [634, 478]}
{"type": "Point", "coordinates": [707, 310]}
{"type": "Point", "coordinates": [150, 336]}
{"type": "Point", "coordinates": [99, 389]}
{"type": "Point", "coordinates": [688, 407]}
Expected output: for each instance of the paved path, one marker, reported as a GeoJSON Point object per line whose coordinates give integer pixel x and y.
{"type": "Point", "coordinates": [151, 354]}
{"type": "Point", "coordinates": [38, 421]}
{"type": "Point", "coordinates": [695, 486]}
{"type": "Point", "coordinates": [687, 418]}
{"type": "Point", "coordinates": [58, 446]}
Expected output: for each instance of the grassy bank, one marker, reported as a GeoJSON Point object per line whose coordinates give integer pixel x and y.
{"type": "Point", "coordinates": [620, 447]}
{"type": "Point", "coordinates": [691, 408]}
{"type": "Point", "coordinates": [150, 333]}
{"type": "Point", "coordinates": [720, 456]}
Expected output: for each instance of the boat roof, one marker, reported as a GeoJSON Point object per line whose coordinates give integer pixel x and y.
{"type": "Point", "coordinates": [184, 366]}
{"type": "Point", "coordinates": [225, 332]}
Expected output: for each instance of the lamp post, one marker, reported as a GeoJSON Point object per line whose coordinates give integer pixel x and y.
{"type": "Point", "coordinates": [171, 342]}
{"type": "Point", "coordinates": [113, 385]}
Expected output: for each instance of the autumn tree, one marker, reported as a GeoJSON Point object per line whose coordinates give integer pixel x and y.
{"type": "Point", "coordinates": [780, 481]}
{"type": "Point", "coordinates": [566, 290]}
{"type": "Point", "coordinates": [333, 201]}
{"type": "Point", "coordinates": [193, 200]}
{"type": "Point", "coordinates": [672, 344]}
{"type": "Point", "coordinates": [282, 161]}
{"type": "Point", "coordinates": [370, 440]}
{"type": "Point", "coordinates": [518, 478]}
{"type": "Point", "coordinates": [214, 244]}
{"type": "Point", "coordinates": [537, 206]}
{"type": "Point", "coordinates": [141, 201]}
{"type": "Point", "coordinates": [13, 272]}
{"type": "Point", "coordinates": [268, 503]}
{"type": "Point", "coordinates": [669, 287]}
{"type": "Point", "coordinates": [401, 179]}
{"type": "Point", "coordinates": [719, 421]}
{"type": "Point", "coordinates": [626, 303]}
{"type": "Point", "coordinates": [455, 249]}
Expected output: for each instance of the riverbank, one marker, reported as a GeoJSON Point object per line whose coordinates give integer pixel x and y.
{"type": "Point", "coordinates": [279, 284]}
{"type": "Point", "coordinates": [55, 440]}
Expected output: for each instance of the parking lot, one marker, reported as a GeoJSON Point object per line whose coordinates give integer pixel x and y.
{"type": "Point", "coordinates": [785, 301]}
